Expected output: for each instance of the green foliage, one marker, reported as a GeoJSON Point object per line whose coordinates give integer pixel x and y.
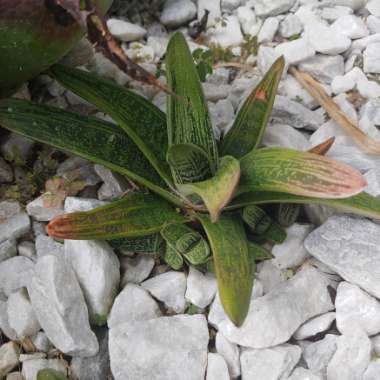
{"type": "Point", "coordinates": [50, 374]}
{"type": "Point", "coordinates": [194, 198]}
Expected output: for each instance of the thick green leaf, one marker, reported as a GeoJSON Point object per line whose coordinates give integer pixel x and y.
{"type": "Point", "coordinates": [134, 215]}
{"type": "Point", "coordinates": [287, 213]}
{"type": "Point", "coordinates": [362, 204]}
{"type": "Point", "coordinates": [217, 191]}
{"type": "Point", "coordinates": [256, 218]}
{"type": "Point", "coordinates": [247, 131]}
{"type": "Point", "coordinates": [85, 136]}
{"type": "Point", "coordinates": [149, 244]}
{"type": "Point", "coordinates": [233, 266]}
{"type": "Point", "coordinates": [258, 253]}
{"type": "Point", "coordinates": [173, 258]}
{"type": "Point", "coordinates": [300, 173]}
{"type": "Point", "coordinates": [188, 119]}
{"type": "Point", "coordinates": [275, 234]}
{"type": "Point", "coordinates": [144, 123]}
{"type": "Point", "coordinates": [189, 163]}
{"type": "Point", "coordinates": [50, 374]}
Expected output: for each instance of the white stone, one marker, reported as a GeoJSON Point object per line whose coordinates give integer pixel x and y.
{"type": "Point", "coordinates": [16, 148]}
{"type": "Point", "coordinates": [46, 245]}
{"type": "Point", "coordinates": [115, 184]}
{"type": "Point", "coordinates": [270, 275]}
{"type": "Point", "coordinates": [9, 357]}
{"type": "Point", "coordinates": [222, 114]}
{"type": "Point", "coordinates": [368, 89]}
{"type": "Point", "coordinates": [26, 248]}
{"type": "Point", "coordinates": [15, 273]}
{"type": "Point", "coordinates": [41, 342]}
{"type": "Point", "coordinates": [8, 209]}
{"type": "Point", "coordinates": [354, 307]}
{"type": "Point", "coordinates": [14, 227]}
{"type": "Point", "coordinates": [296, 51]}
{"type": "Point", "coordinates": [125, 31]}
{"type": "Point", "coordinates": [314, 326]}
{"type": "Point", "coordinates": [168, 288]}
{"type": "Point", "coordinates": [230, 352]}
{"type": "Point", "coordinates": [8, 249]}
{"type": "Point", "coordinates": [249, 22]}
{"type": "Point", "coordinates": [354, 4]}
{"type": "Point", "coordinates": [325, 40]}
{"type": "Point", "coordinates": [177, 12]}
{"type": "Point", "coordinates": [333, 13]}
{"type": "Point", "coordinates": [213, 6]}
{"type": "Point", "coordinates": [373, 180]}
{"type": "Point", "coordinates": [268, 30]}
{"type": "Point", "coordinates": [290, 26]}
{"type": "Point", "coordinates": [31, 367]}
{"type": "Point", "coordinates": [318, 354]}
{"type": "Point", "coordinates": [230, 5]}
{"type": "Point", "coordinates": [286, 111]}
{"type": "Point", "coordinates": [60, 307]}
{"type": "Point", "coordinates": [285, 136]}
{"type": "Point", "coordinates": [273, 318]}
{"type": "Point", "coordinates": [214, 92]}
{"type": "Point", "coordinates": [324, 68]}
{"type": "Point", "coordinates": [266, 56]}
{"type": "Point", "coordinates": [132, 304]}
{"type": "Point", "coordinates": [374, 7]}
{"type": "Point", "coordinates": [136, 269]}
{"type": "Point", "coordinates": [303, 374]}
{"type": "Point", "coordinates": [37, 210]}
{"type": "Point", "coordinates": [362, 43]}
{"type": "Point", "coordinates": [5, 328]}
{"type": "Point", "coordinates": [97, 269]}
{"type": "Point", "coordinates": [201, 288]}
{"type": "Point", "coordinates": [291, 253]}
{"type": "Point", "coordinates": [372, 371]}
{"type": "Point", "coordinates": [351, 357]}
{"type": "Point", "coordinates": [371, 58]}
{"type": "Point", "coordinates": [350, 26]}
{"type": "Point", "coordinates": [82, 204]}
{"type": "Point", "coordinates": [226, 34]}
{"type": "Point", "coordinates": [216, 367]}
{"type": "Point", "coordinates": [172, 348]}
{"type": "Point", "coordinates": [350, 246]}
{"type": "Point", "coordinates": [373, 24]}
{"type": "Point", "coordinates": [21, 316]}
{"type": "Point", "coordinates": [348, 81]}
{"type": "Point", "coordinates": [269, 363]}
{"type": "Point", "coordinates": [266, 8]}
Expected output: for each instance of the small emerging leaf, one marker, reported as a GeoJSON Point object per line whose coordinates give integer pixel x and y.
{"type": "Point", "coordinates": [173, 258]}
{"type": "Point", "coordinates": [188, 119]}
{"type": "Point", "coordinates": [299, 173]}
{"type": "Point", "coordinates": [233, 266]}
{"type": "Point", "coordinates": [256, 218]}
{"type": "Point", "coordinates": [134, 215]}
{"type": "Point", "coordinates": [217, 191]}
{"type": "Point", "coordinates": [247, 131]}
{"type": "Point", "coordinates": [258, 253]}
{"type": "Point", "coordinates": [287, 214]}
{"type": "Point", "coordinates": [50, 374]}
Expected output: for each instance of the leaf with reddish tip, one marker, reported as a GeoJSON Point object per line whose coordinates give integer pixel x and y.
{"type": "Point", "coordinates": [248, 128]}
{"type": "Point", "coordinates": [217, 191]}
{"type": "Point", "coordinates": [233, 263]}
{"type": "Point", "coordinates": [299, 173]}
{"type": "Point", "coordinates": [323, 147]}
{"type": "Point", "coordinates": [134, 215]}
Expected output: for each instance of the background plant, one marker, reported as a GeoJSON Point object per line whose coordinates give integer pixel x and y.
{"type": "Point", "coordinates": [197, 195]}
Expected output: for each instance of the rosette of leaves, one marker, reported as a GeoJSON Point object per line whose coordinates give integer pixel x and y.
{"type": "Point", "coordinates": [202, 202]}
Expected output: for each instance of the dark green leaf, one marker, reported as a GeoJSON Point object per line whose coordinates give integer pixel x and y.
{"type": "Point", "coordinates": [275, 234]}
{"type": "Point", "coordinates": [132, 216]}
{"type": "Point", "coordinates": [256, 218]}
{"type": "Point", "coordinates": [149, 244]}
{"type": "Point", "coordinates": [258, 253]}
{"type": "Point", "coordinates": [248, 129]}
{"type": "Point", "coordinates": [144, 123]}
{"type": "Point", "coordinates": [217, 191]}
{"type": "Point", "coordinates": [287, 213]}
{"type": "Point", "coordinates": [188, 119]}
{"type": "Point", "coordinates": [173, 258]}
{"type": "Point", "coordinates": [299, 173]}
{"type": "Point", "coordinates": [361, 204]}
{"type": "Point", "coordinates": [234, 270]}
{"type": "Point", "coordinates": [189, 163]}
{"type": "Point", "coordinates": [88, 137]}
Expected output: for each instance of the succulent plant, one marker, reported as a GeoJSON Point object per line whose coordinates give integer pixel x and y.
{"type": "Point", "coordinates": [201, 201]}
{"type": "Point", "coordinates": [50, 374]}
{"type": "Point", "coordinates": [33, 38]}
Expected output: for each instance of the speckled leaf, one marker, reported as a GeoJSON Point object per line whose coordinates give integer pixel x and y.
{"type": "Point", "coordinates": [187, 114]}
{"type": "Point", "coordinates": [256, 218]}
{"type": "Point", "coordinates": [50, 374]}
{"type": "Point", "coordinates": [217, 191]}
{"type": "Point", "coordinates": [287, 213]}
{"type": "Point", "coordinates": [132, 216]}
{"type": "Point", "coordinates": [258, 253]}
{"type": "Point", "coordinates": [189, 163]}
{"type": "Point", "coordinates": [144, 123]}
{"type": "Point", "coordinates": [247, 131]}
{"type": "Point", "coordinates": [85, 136]}
{"type": "Point", "coordinates": [173, 258]}
{"type": "Point", "coordinates": [198, 253]}
{"type": "Point", "coordinates": [299, 173]}
{"type": "Point", "coordinates": [233, 266]}
{"type": "Point", "coordinates": [149, 244]}
{"type": "Point", "coordinates": [362, 204]}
